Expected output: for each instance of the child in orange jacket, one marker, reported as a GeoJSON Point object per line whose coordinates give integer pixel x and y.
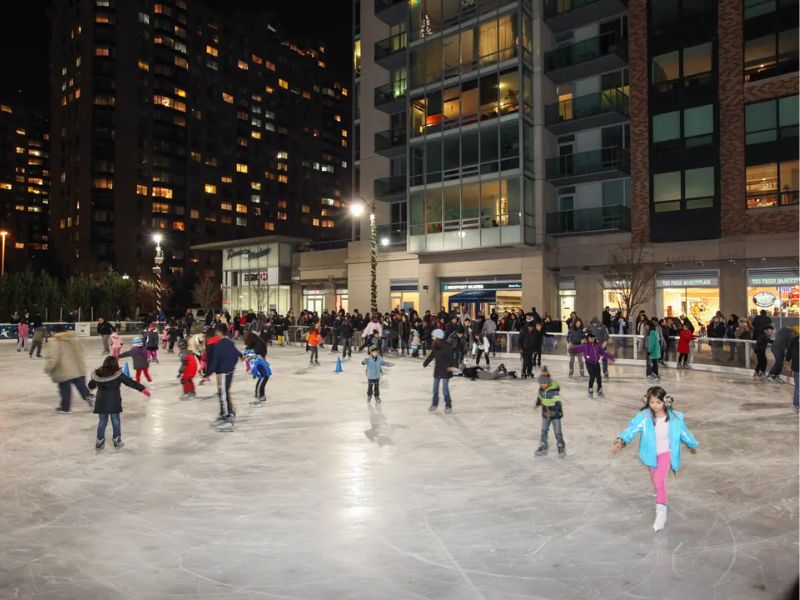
{"type": "Point", "coordinates": [314, 340]}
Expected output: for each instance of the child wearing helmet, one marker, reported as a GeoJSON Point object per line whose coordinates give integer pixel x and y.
{"type": "Point", "coordinates": [261, 372]}
{"type": "Point", "coordinates": [139, 354]}
{"type": "Point", "coordinates": [188, 369]}
{"type": "Point", "coordinates": [663, 431]}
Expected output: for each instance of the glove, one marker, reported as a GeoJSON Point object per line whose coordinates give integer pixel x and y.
{"type": "Point", "coordinates": [146, 392]}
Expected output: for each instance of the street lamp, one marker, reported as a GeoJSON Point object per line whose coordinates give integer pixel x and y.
{"type": "Point", "coordinates": [158, 260]}
{"type": "Point", "coordinates": [3, 235]}
{"type": "Point", "coordinates": [357, 209]}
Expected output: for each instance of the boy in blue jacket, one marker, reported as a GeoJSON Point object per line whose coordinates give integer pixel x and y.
{"type": "Point", "coordinates": [374, 362]}
{"type": "Point", "coordinates": [222, 362]}
{"type": "Point", "coordinates": [261, 372]}
{"type": "Point", "coordinates": [663, 430]}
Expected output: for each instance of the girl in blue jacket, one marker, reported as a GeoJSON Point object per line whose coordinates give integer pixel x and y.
{"type": "Point", "coordinates": [662, 430]}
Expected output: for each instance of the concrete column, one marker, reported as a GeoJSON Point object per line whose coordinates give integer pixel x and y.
{"type": "Point", "coordinates": [589, 295]}
{"type": "Point", "coordinates": [429, 299]}
{"type": "Point", "coordinates": [330, 295]}
{"type": "Point", "coordinates": [733, 288]}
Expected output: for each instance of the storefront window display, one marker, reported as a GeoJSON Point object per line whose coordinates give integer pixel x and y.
{"type": "Point", "coordinates": [480, 297]}
{"type": "Point", "coordinates": [776, 291]}
{"type": "Point", "coordinates": [695, 295]}
{"type": "Point", "coordinates": [342, 299]}
{"type": "Point", "coordinates": [251, 278]}
{"type": "Point", "coordinates": [314, 300]}
{"type": "Point", "coordinates": [566, 299]}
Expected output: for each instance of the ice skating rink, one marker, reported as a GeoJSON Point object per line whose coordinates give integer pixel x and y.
{"type": "Point", "coordinates": [317, 496]}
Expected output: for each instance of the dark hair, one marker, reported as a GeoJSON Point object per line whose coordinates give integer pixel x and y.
{"type": "Point", "coordinates": [657, 391]}
{"type": "Point", "coordinates": [110, 366]}
{"type": "Point", "coordinates": [221, 329]}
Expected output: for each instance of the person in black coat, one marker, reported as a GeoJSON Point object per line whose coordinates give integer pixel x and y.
{"type": "Point", "coordinates": [530, 346]}
{"type": "Point", "coordinates": [443, 369]}
{"type": "Point", "coordinates": [255, 343]}
{"type": "Point", "coordinates": [108, 402]}
{"type": "Point", "coordinates": [793, 356]}
{"type": "Point", "coordinates": [760, 349]}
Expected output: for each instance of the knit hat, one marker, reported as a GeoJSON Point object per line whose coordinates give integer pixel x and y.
{"type": "Point", "coordinates": [544, 376]}
{"type": "Point", "coordinates": [137, 341]}
{"type": "Point", "coordinates": [438, 334]}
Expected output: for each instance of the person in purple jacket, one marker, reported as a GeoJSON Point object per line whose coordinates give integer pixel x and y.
{"type": "Point", "coordinates": [593, 353]}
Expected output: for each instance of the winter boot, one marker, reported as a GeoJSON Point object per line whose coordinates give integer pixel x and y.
{"type": "Point", "coordinates": [661, 517]}
{"type": "Point", "coordinates": [100, 444]}
{"type": "Point", "coordinates": [562, 452]}
{"type": "Point", "coordinates": [118, 443]}
{"type": "Point", "coordinates": [542, 451]}
{"type": "Point", "coordinates": [591, 393]}
{"type": "Point", "coordinates": [601, 394]}
{"type": "Point", "coordinates": [571, 371]}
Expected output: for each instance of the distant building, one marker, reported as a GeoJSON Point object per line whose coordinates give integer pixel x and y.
{"type": "Point", "coordinates": [169, 118]}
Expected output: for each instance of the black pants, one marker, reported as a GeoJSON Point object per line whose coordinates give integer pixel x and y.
{"type": "Point", "coordinates": [594, 374]}
{"type": "Point", "coordinates": [37, 347]}
{"type": "Point", "coordinates": [537, 358]}
{"type": "Point", "coordinates": [373, 388]}
{"type": "Point", "coordinates": [683, 358]}
{"type": "Point", "coordinates": [654, 367]}
{"type": "Point", "coordinates": [478, 357]}
{"type": "Point", "coordinates": [761, 361]}
{"type": "Point", "coordinates": [648, 365]}
{"type": "Point", "coordinates": [347, 349]}
{"type": "Point", "coordinates": [261, 383]}
{"type": "Point", "coordinates": [224, 391]}
{"type": "Point", "coordinates": [314, 354]}
{"type": "Point", "coordinates": [527, 364]}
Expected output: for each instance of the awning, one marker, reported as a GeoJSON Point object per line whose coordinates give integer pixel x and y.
{"type": "Point", "coordinates": [474, 296]}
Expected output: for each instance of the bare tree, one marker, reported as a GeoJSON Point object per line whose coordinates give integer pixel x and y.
{"type": "Point", "coordinates": [632, 273]}
{"type": "Point", "coordinates": [260, 290]}
{"type": "Point", "coordinates": [206, 293]}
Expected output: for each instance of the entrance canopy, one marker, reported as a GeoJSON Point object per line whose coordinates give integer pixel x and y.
{"type": "Point", "coordinates": [474, 296]}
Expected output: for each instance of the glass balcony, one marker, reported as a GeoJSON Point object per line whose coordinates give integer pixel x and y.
{"type": "Point", "coordinates": [562, 15]}
{"type": "Point", "coordinates": [594, 55]}
{"type": "Point", "coordinates": [391, 12]}
{"type": "Point", "coordinates": [588, 220]}
{"type": "Point", "coordinates": [391, 143]}
{"type": "Point", "coordinates": [390, 188]}
{"type": "Point", "coordinates": [390, 52]}
{"type": "Point", "coordinates": [594, 165]}
{"type": "Point", "coordinates": [591, 111]}
{"type": "Point", "coordinates": [392, 236]}
{"type": "Point", "coordinates": [390, 98]}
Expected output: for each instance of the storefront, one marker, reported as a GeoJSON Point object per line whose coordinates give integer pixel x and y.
{"type": "Point", "coordinates": [612, 296]}
{"type": "Point", "coordinates": [480, 296]}
{"type": "Point", "coordinates": [251, 278]}
{"type": "Point", "coordinates": [566, 299]}
{"type": "Point", "coordinates": [404, 294]}
{"type": "Point", "coordinates": [773, 290]}
{"type": "Point", "coordinates": [342, 299]}
{"type": "Point", "coordinates": [314, 300]}
{"type": "Point", "coordinates": [692, 293]}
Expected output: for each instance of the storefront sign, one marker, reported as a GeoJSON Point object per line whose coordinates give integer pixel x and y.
{"type": "Point", "coordinates": [680, 282]}
{"type": "Point", "coordinates": [251, 254]}
{"type": "Point", "coordinates": [770, 280]}
{"type": "Point", "coordinates": [460, 287]}
{"type": "Point", "coordinates": [252, 277]}
{"type": "Point", "coordinates": [308, 292]}
{"type": "Point", "coordinates": [764, 299]}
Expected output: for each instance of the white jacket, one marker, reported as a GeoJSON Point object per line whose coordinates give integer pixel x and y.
{"type": "Point", "coordinates": [484, 346]}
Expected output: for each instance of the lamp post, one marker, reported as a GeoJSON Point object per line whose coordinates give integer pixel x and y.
{"type": "Point", "coordinates": [158, 260]}
{"type": "Point", "coordinates": [3, 235]}
{"type": "Point", "coordinates": [357, 209]}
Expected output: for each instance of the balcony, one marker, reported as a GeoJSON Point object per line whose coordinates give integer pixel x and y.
{"type": "Point", "coordinates": [391, 12]}
{"type": "Point", "coordinates": [601, 219]}
{"type": "Point", "coordinates": [601, 109]}
{"type": "Point", "coordinates": [562, 15]}
{"type": "Point", "coordinates": [391, 143]}
{"type": "Point", "coordinates": [390, 189]}
{"type": "Point", "coordinates": [392, 237]}
{"type": "Point", "coordinates": [594, 55]}
{"type": "Point", "coordinates": [390, 53]}
{"type": "Point", "coordinates": [581, 167]}
{"type": "Point", "coordinates": [390, 98]}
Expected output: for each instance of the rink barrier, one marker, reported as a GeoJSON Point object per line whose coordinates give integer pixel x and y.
{"type": "Point", "coordinates": [8, 331]}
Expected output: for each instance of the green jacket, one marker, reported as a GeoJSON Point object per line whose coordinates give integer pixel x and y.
{"type": "Point", "coordinates": [654, 344]}
{"type": "Point", "coordinates": [550, 401]}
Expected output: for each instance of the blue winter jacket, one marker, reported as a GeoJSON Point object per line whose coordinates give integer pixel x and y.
{"type": "Point", "coordinates": [224, 357]}
{"type": "Point", "coordinates": [643, 422]}
{"type": "Point", "coordinates": [374, 366]}
{"type": "Point", "coordinates": [259, 368]}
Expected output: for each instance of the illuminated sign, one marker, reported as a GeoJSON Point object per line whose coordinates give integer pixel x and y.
{"type": "Point", "coordinates": [251, 254]}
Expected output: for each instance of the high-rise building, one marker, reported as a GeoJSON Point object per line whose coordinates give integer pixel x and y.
{"type": "Point", "coordinates": [24, 185]}
{"type": "Point", "coordinates": [170, 118]}
{"type": "Point", "coordinates": [511, 146]}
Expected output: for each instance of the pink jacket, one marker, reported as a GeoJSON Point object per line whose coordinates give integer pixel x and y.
{"type": "Point", "coordinates": [116, 340]}
{"type": "Point", "coordinates": [22, 330]}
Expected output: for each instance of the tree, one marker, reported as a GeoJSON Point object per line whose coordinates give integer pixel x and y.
{"type": "Point", "coordinates": [632, 273]}
{"type": "Point", "coordinates": [260, 290]}
{"type": "Point", "coordinates": [206, 293]}
{"type": "Point", "coordinates": [147, 290]}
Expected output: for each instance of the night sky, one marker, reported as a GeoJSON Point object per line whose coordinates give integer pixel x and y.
{"type": "Point", "coordinates": [24, 61]}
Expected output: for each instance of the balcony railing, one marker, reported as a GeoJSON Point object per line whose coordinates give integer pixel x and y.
{"type": "Point", "coordinates": [389, 93]}
{"type": "Point", "coordinates": [612, 158]}
{"type": "Point", "coordinates": [391, 139]}
{"type": "Point", "coordinates": [387, 187]}
{"type": "Point", "coordinates": [391, 12]}
{"type": "Point", "coordinates": [586, 50]}
{"type": "Point", "coordinates": [391, 236]}
{"type": "Point", "coordinates": [586, 220]}
{"type": "Point", "coordinates": [390, 46]}
{"type": "Point", "coordinates": [590, 105]}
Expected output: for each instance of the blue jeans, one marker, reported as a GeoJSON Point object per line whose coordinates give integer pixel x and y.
{"type": "Point", "coordinates": [445, 390]}
{"type": "Point", "coordinates": [796, 399]}
{"type": "Point", "coordinates": [115, 426]}
{"type": "Point", "coordinates": [65, 390]}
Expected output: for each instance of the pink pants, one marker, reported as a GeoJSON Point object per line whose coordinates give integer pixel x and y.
{"type": "Point", "coordinates": [659, 477]}
{"type": "Point", "coordinates": [116, 351]}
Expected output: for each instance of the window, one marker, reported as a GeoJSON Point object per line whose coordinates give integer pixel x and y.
{"type": "Point", "coordinates": [666, 126]}
{"type": "Point", "coordinates": [695, 188]}
{"type": "Point", "coordinates": [699, 187]}
{"type": "Point", "coordinates": [667, 74]}
{"type": "Point", "coordinates": [194, 214]}
{"type": "Point", "coordinates": [241, 208]}
{"type": "Point", "coordinates": [697, 130]}
{"type": "Point", "coordinates": [283, 84]}
{"type": "Point", "coordinates": [101, 51]}
{"type": "Point", "coordinates": [667, 191]}
{"type": "Point", "coordinates": [269, 226]}
{"type": "Point", "coordinates": [771, 185]}
{"type": "Point", "coordinates": [212, 51]}
{"type": "Point", "coordinates": [770, 55]}
{"type": "Point", "coordinates": [161, 192]}
{"type": "Point", "coordinates": [242, 65]}
{"type": "Point", "coordinates": [225, 206]}
{"type": "Point", "coordinates": [141, 190]}
{"type": "Point", "coordinates": [226, 97]}
{"type": "Point", "coordinates": [241, 168]}
{"type": "Point", "coordinates": [305, 208]}
{"type": "Point", "coordinates": [103, 183]}
{"type": "Point", "coordinates": [170, 103]}
{"type": "Point", "coordinates": [357, 58]}
{"type": "Point", "coordinates": [210, 188]}
{"type": "Point", "coordinates": [766, 121]}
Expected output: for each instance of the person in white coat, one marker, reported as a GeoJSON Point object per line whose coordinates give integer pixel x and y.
{"type": "Point", "coordinates": [480, 345]}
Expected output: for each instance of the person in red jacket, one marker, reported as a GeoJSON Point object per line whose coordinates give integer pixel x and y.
{"type": "Point", "coordinates": [188, 370]}
{"type": "Point", "coordinates": [684, 343]}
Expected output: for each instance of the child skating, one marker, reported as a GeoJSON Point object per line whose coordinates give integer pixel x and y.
{"type": "Point", "coordinates": [108, 403]}
{"type": "Point", "coordinates": [593, 353]}
{"type": "Point", "coordinates": [151, 343]}
{"type": "Point", "coordinates": [261, 372]}
{"type": "Point", "coordinates": [116, 344]}
{"type": "Point", "coordinates": [141, 364]}
{"type": "Point", "coordinates": [374, 362]}
{"type": "Point", "coordinates": [662, 432]}
{"type": "Point", "coordinates": [550, 401]}
{"type": "Point", "coordinates": [314, 341]}
{"type": "Point", "coordinates": [684, 346]}
{"type": "Point", "coordinates": [188, 369]}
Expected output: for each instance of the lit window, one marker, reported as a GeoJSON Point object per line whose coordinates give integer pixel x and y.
{"type": "Point", "coordinates": [344, 133]}
{"type": "Point", "coordinates": [170, 103]}
{"type": "Point", "coordinates": [141, 190]}
{"type": "Point", "coordinates": [241, 221]}
{"type": "Point", "coordinates": [269, 65]}
{"type": "Point", "coordinates": [6, 109]}
{"type": "Point", "coordinates": [180, 92]}
{"type": "Point", "coordinates": [227, 97]}
{"type": "Point", "coordinates": [212, 51]}
{"type": "Point", "coordinates": [161, 192]}
{"type": "Point", "coordinates": [256, 135]}
{"type": "Point", "coordinates": [104, 101]}
{"type": "Point", "coordinates": [210, 188]}
{"type": "Point", "coordinates": [178, 226]}
{"type": "Point", "coordinates": [257, 59]}
{"type": "Point", "coordinates": [306, 208]}
{"type": "Point", "coordinates": [281, 216]}
{"type": "Point", "coordinates": [226, 179]}
{"type": "Point", "coordinates": [255, 198]}
{"type": "Point", "coordinates": [241, 208]}
{"type": "Point", "coordinates": [162, 208]}
{"type": "Point", "coordinates": [283, 179]}
{"type": "Point", "coordinates": [337, 118]}
{"type": "Point", "coordinates": [281, 203]}
{"type": "Point", "coordinates": [194, 214]}
{"type": "Point", "coordinates": [101, 51]}
{"type": "Point", "coordinates": [269, 89]}
{"type": "Point", "coordinates": [315, 222]}
{"type": "Point", "coordinates": [6, 186]}
{"type": "Point", "coordinates": [242, 65]}
{"type": "Point", "coordinates": [256, 185]}
{"type": "Point", "coordinates": [19, 245]}
{"type": "Point", "coordinates": [306, 95]}
{"type": "Point", "coordinates": [103, 183]}
{"type": "Point", "coordinates": [196, 156]}
{"type": "Point", "coordinates": [269, 226]}
{"type": "Point", "coordinates": [103, 19]}
{"type": "Point", "coordinates": [283, 83]}
{"type": "Point", "coordinates": [181, 62]}
{"type": "Point", "coordinates": [226, 206]}
{"type": "Point", "coordinates": [241, 168]}
{"type": "Point", "coordinates": [144, 65]}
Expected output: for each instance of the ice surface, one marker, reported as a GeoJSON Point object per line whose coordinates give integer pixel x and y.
{"type": "Point", "coordinates": [317, 496]}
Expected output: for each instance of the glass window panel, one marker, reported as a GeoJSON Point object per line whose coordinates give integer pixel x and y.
{"type": "Point", "coordinates": [665, 67]}
{"type": "Point", "coordinates": [433, 210]}
{"type": "Point", "coordinates": [666, 186]}
{"type": "Point", "coordinates": [469, 101]}
{"type": "Point", "coordinates": [450, 55]}
{"type": "Point", "coordinates": [417, 66]}
{"type": "Point", "coordinates": [452, 207]}
{"type": "Point", "coordinates": [470, 205]}
{"type": "Point", "coordinates": [433, 116]}
{"type": "Point", "coordinates": [415, 9]}
{"type": "Point", "coordinates": [469, 148]}
{"type": "Point", "coordinates": [433, 60]}
{"type": "Point", "coordinates": [433, 156]}
{"type": "Point", "coordinates": [787, 43]}
{"type": "Point", "coordinates": [417, 213]}
{"type": "Point", "coordinates": [417, 164]}
{"type": "Point", "coordinates": [433, 12]}
{"type": "Point", "coordinates": [489, 96]}
{"type": "Point", "coordinates": [762, 178]}
{"type": "Point", "coordinates": [508, 87]}
{"type": "Point", "coordinates": [666, 126]}
{"type": "Point", "coordinates": [614, 192]}
{"type": "Point", "coordinates": [507, 37]}
{"type": "Point", "coordinates": [450, 104]}
{"type": "Point", "coordinates": [509, 140]}
{"type": "Point", "coordinates": [467, 49]}
{"type": "Point", "coordinates": [697, 59]}
{"type": "Point", "coordinates": [789, 176]}
{"type": "Point", "coordinates": [450, 9]}
{"type": "Point", "coordinates": [759, 116]}
{"type": "Point", "coordinates": [788, 111]}
{"type": "Point", "coordinates": [755, 8]}
{"type": "Point", "coordinates": [418, 116]}
{"type": "Point", "coordinates": [527, 89]}
{"type": "Point", "coordinates": [487, 42]}
{"type": "Point", "coordinates": [698, 121]}
{"type": "Point", "coordinates": [451, 152]}
{"type": "Point", "coordinates": [489, 143]}
{"type": "Point", "coordinates": [663, 13]}
{"type": "Point", "coordinates": [512, 202]}
{"type": "Point", "coordinates": [759, 50]}
{"type": "Point", "coordinates": [699, 182]}
{"type": "Point", "coordinates": [489, 196]}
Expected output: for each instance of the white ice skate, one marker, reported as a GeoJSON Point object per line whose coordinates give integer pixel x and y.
{"type": "Point", "coordinates": [661, 517]}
